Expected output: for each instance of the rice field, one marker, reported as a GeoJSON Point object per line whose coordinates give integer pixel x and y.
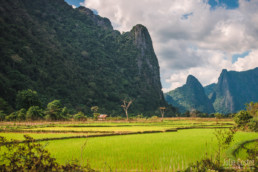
{"type": "Point", "coordinates": [20, 136]}
{"type": "Point", "coordinates": [106, 129]}
{"type": "Point", "coordinates": [159, 151]}
{"type": "Point", "coordinates": [163, 151]}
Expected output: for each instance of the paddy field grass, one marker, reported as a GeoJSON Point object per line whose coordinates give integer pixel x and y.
{"type": "Point", "coordinates": [163, 151]}
{"type": "Point", "coordinates": [159, 151]}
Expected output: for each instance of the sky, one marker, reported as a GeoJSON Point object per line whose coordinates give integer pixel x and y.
{"type": "Point", "coordinates": [197, 37]}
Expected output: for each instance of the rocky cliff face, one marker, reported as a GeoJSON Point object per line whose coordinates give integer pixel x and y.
{"type": "Point", "coordinates": [234, 90]}
{"type": "Point", "coordinates": [190, 96]}
{"type": "Point", "coordinates": [146, 59]}
{"type": "Point", "coordinates": [76, 56]}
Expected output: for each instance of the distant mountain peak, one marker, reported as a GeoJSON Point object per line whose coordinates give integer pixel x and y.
{"type": "Point", "coordinates": [190, 96]}
{"type": "Point", "coordinates": [224, 70]}
{"type": "Point", "coordinates": [191, 78]}
{"type": "Point", "coordinates": [141, 36]}
{"type": "Point", "coordinates": [193, 81]}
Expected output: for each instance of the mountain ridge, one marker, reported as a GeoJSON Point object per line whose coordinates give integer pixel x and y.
{"type": "Point", "coordinates": [76, 56]}
{"type": "Point", "coordinates": [233, 90]}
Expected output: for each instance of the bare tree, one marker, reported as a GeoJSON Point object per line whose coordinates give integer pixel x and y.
{"type": "Point", "coordinates": [162, 111]}
{"type": "Point", "coordinates": [126, 104]}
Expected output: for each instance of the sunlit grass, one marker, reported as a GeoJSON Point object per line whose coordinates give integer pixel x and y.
{"type": "Point", "coordinates": [20, 136]}
{"type": "Point", "coordinates": [101, 129]}
{"type": "Point", "coordinates": [139, 152]}
{"type": "Point", "coordinates": [162, 151]}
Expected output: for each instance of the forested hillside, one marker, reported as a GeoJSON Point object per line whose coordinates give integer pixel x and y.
{"type": "Point", "coordinates": [190, 97]}
{"type": "Point", "coordinates": [75, 56]}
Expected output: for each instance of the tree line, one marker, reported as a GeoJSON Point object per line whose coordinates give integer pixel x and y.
{"type": "Point", "coordinates": [29, 107]}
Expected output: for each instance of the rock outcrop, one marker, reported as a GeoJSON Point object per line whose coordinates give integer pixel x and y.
{"type": "Point", "coordinates": [234, 90]}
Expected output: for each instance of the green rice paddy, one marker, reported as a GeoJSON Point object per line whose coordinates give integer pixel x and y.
{"type": "Point", "coordinates": [159, 151]}
{"type": "Point", "coordinates": [20, 136]}
{"type": "Point", "coordinates": [163, 151]}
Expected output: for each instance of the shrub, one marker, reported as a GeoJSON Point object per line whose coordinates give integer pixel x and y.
{"type": "Point", "coordinates": [94, 109]}
{"type": "Point", "coordinates": [54, 110]}
{"type": "Point", "coordinates": [154, 118]}
{"type": "Point", "coordinates": [27, 98]}
{"type": "Point", "coordinates": [253, 124]}
{"type": "Point", "coordinates": [203, 165]}
{"type": "Point", "coordinates": [31, 156]}
{"type": "Point", "coordinates": [34, 113]}
{"type": "Point", "coordinates": [242, 118]}
{"type": "Point", "coordinates": [218, 115]}
{"type": "Point", "coordinates": [48, 117]}
{"type": "Point", "coordinates": [80, 117]}
{"type": "Point", "coordinates": [140, 116]}
{"type": "Point", "coordinates": [21, 114]}
{"type": "Point", "coordinates": [252, 108]}
{"type": "Point", "coordinates": [11, 117]}
{"type": "Point", "coordinates": [64, 112]}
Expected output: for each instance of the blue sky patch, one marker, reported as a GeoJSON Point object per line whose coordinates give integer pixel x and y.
{"type": "Point", "coordinates": [186, 16]}
{"type": "Point", "coordinates": [228, 4]}
{"type": "Point", "coordinates": [74, 2]}
{"type": "Point", "coordinates": [236, 56]}
{"type": "Point", "coordinates": [77, 4]}
{"type": "Point", "coordinates": [95, 12]}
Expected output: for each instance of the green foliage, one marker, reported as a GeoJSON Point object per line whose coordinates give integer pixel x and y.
{"type": "Point", "coordinates": [218, 115]}
{"type": "Point", "coordinates": [31, 156]}
{"type": "Point", "coordinates": [203, 166]}
{"type": "Point", "coordinates": [11, 117]}
{"type": "Point", "coordinates": [94, 109]}
{"type": "Point", "coordinates": [252, 109]}
{"type": "Point", "coordinates": [34, 113]}
{"type": "Point", "coordinates": [95, 116]}
{"type": "Point", "coordinates": [27, 98]}
{"type": "Point", "coordinates": [253, 124]}
{"type": "Point", "coordinates": [203, 115]}
{"type": "Point", "coordinates": [154, 119]}
{"type": "Point", "coordinates": [64, 112]}
{"type": "Point", "coordinates": [55, 111]}
{"type": "Point", "coordinates": [28, 156]}
{"type": "Point", "coordinates": [5, 107]}
{"type": "Point", "coordinates": [242, 118]}
{"type": "Point", "coordinates": [80, 116]}
{"type": "Point", "coordinates": [21, 114]}
{"type": "Point", "coordinates": [140, 116]}
{"type": "Point", "coordinates": [248, 119]}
